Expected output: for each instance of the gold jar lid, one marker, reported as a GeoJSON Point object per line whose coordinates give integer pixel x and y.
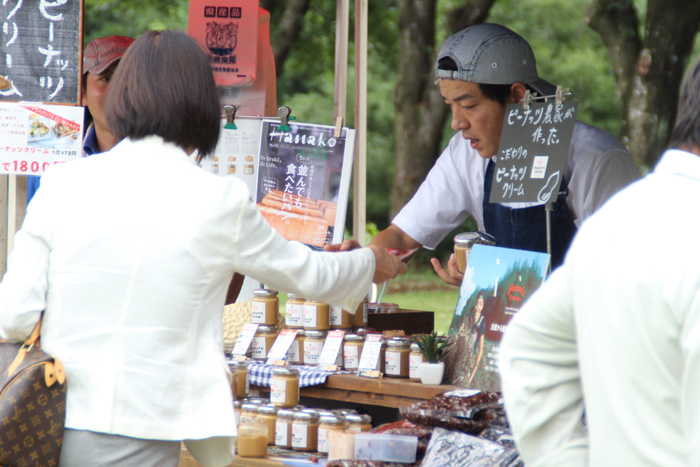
{"type": "Point", "coordinates": [308, 417]}
{"type": "Point", "coordinates": [398, 343]}
{"type": "Point", "coordinates": [265, 329]}
{"type": "Point", "coordinates": [358, 419]}
{"type": "Point", "coordinates": [331, 420]}
{"type": "Point", "coordinates": [248, 407]}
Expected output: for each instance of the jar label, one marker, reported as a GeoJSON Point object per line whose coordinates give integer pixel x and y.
{"type": "Point", "coordinates": [351, 356]}
{"type": "Point", "coordinates": [336, 316]}
{"type": "Point", "coordinates": [322, 440]}
{"type": "Point", "coordinates": [294, 354]}
{"type": "Point", "coordinates": [392, 363]}
{"type": "Point", "coordinates": [257, 312]}
{"type": "Point", "coordinates": [278, 391]}
{"type": "Point", "coordinates": [300, 435]}
{"type": "Point", "coordinates": [310, 316]}
{"type": "Point", "coordinates": [295, 314]}
{"type": "Point", "coordinates": [259, 348]}
{"type": "Point", "coordinates": [312, 350]}
{"type": "Point", "coordinates": [413, 362]}
{"type": "Point", "coordinates": [281, 435]}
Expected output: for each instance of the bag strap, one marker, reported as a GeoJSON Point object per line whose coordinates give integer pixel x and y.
{"type": "Point", "coordinates": [26, 347]}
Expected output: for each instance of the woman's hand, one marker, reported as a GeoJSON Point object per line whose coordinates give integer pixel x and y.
{"type": "Point", "coordinates": [388, 265]}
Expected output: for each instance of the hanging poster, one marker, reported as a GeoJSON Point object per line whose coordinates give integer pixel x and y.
{"type": "Point", "coordinates": [532, 153]}
{"type": "Point", "coordinates": [35, 137]}
{"type": "Point", "coordinates": [304, 180]}
{"type": "Point", "coordinates": [496, 283]}
{"type": "Point", "coordinates": [40, 49]}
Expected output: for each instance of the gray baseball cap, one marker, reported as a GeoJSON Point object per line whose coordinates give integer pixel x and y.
{"type": "Point", "coordinates": [490, 54]}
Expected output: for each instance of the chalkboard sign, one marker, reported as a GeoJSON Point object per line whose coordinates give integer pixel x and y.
{"type": "Point", "coordinates": [533, 151]}
{"type": "Point", "coordinates": [40, 49]}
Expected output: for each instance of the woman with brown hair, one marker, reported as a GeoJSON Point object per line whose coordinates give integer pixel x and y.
{"type": "Point", "coordinates": [129, 253]}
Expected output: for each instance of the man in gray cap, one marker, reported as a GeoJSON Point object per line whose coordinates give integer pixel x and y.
{"type": "Point", "coordinates": [481, 69]}
{"type": "Point", "coordinates": [100, 59]}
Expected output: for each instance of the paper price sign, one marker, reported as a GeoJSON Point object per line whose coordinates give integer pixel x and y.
{"type": "Point", "coordinates": [331, 349]}
{"type": "Point", "coordinates": [281, 346]}
{"type": "Point", "coordinates": [369, 360]}
{"type": "Point", "coordinates": [244, 339]}
{"type": "Point", "coordinates": [35, 137]}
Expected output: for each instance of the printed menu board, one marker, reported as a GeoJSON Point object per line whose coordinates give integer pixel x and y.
{"type": "Point", "coordinates": [35, 137]}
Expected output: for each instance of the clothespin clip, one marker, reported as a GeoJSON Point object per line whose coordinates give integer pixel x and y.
{"type": "Point", "coordinates": [559, 96]}
{"type": "Point", "coordinates": [338, 126]}
{"type": "Point", "coordinates": [527, 99]}
{"type": "Point", "coordinates": [5, 84]}
{"type": "Point", "coordinates": [285, 114]}
{"type": "Point", "coordinates": [230, 111]}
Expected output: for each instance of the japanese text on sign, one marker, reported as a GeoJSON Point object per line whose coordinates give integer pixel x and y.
{"type": "Point", "coordinates": [534, 145]}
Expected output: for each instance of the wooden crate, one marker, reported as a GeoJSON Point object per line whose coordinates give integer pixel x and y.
{"type": "Point", "coordinates": [410, 321]}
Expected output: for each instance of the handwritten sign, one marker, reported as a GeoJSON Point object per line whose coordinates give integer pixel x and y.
{"type": "Point", "coordinates": [35, 137]}
{"type": "Point", "coordinates": [369, 360]}
{"type": "Point", "coordinates": [244, 339]}
{"type": "Point", "coordinates": [281, 346]}
{"type": "Point", "coordinates": [331, 355]}
{"type": "Point", "coordinates": [40, 50]}
{"type": "Point", "coordinates": [533, 151]}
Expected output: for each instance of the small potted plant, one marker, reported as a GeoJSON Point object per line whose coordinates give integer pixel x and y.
{"type": "Point", "coordinates": [435, 349]}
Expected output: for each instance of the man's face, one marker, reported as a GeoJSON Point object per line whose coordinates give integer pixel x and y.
{"type": "Point", "coordinates": [478, 118]}
{"type": "Point", "coordinates": [95, 88]}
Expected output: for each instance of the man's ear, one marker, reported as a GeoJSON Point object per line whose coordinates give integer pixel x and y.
{"type": "Point", "coordinates": [517, 93]}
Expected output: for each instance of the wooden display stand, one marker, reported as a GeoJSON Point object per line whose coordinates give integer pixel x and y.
{"type": "Point", "coordinates": [384, 392]}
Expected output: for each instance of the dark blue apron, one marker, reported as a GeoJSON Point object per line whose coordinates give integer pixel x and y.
{"type": "Point", "coordinates": [526, 228]}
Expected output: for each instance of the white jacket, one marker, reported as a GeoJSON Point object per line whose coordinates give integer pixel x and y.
{"type": "Point", "coordinates": [131, 252]}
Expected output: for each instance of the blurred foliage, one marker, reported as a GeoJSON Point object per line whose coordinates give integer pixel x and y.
{"type": "Point", "coordinates": [568, 53]}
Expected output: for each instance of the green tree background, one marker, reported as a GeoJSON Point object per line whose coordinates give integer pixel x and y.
{"type": "Point", "coordinates": [568, 51]}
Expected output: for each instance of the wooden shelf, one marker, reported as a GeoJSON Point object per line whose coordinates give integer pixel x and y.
{"type": "Point", "coordinates": [385, 392]}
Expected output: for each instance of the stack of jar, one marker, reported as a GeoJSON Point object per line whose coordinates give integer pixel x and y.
{"type": "Point", "coordinates": [309, 430]}
{"type": "Point", "coordinates": [313, 319]}
{"type": "Point", "coordinates": [264, 312]}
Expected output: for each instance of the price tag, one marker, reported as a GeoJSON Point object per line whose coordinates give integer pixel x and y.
{"type": "Point", "coordinates": [281, 346]}
{"type": "Point", "coordinates": [331, 349]}
{"type": "Point", "coordinates": [244, 340]}
{"type": "Point", "coordinates": [369, 360]}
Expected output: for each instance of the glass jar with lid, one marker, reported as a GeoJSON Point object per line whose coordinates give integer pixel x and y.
{"type": "Point", "coordinates": [248, 411]}
{"type": "Point", "coordinates": [464, 243]}
{"type": "Point", "coordinates": [317, 316]}
{"type": "Point", "coordinates": [283, 428]}
{"type": "Point", "coordinates": [359, 319]}
{"type": "Point", "coordinates": [284, 387]}
{"type": "Point", "coordinates": [294, 311]}
{"type": "Point", "coordinates": [396, 358]}
{"type": "Point", "coordinates": [327, 424]}
{"type": "Point", "coordinates": [241, 379]}
{"type": "Point", "coordinates": [295, 354]}
{"type": "Point", "coordinates": [340, 319]}
{"type": "Point", "coordinates": [313, 345]}
{"type": "Point", "coordinates": [358, 423]}
{"type": "Point", "coordinates": [252, 438]}
{"type": "Point", "coordinates": [264, 307]}
{"type": "Point", "coordinates": [262, 341]}
{"type": "Point", "coordinates": [352, 350]}
{"type": "Point", "coordinates": [268, 415]}
{"type": "Point", "coordinates": [415, 358]}
{"type": "Point", "coordinates": [305, 431]}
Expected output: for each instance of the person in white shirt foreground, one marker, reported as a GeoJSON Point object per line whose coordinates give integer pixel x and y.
{"type": "Point", "coordinates": [601, 366]}
{"type": "Point", "coordinates": [130, 253]}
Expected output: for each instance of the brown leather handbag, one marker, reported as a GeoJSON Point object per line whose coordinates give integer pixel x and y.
{"type": "Point", "coordinates": [32, 404]}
